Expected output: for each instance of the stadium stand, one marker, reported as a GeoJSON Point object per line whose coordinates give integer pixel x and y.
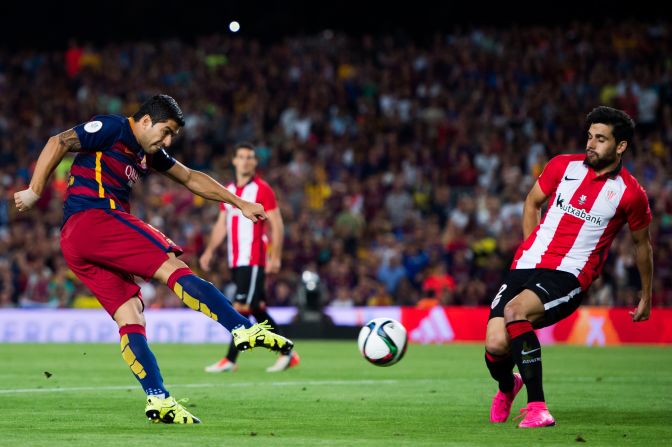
{"type": "Point", "coordinates": [401, 168]}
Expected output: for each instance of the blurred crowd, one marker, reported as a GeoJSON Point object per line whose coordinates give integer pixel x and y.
{"type": "Point", "coordinates": [400, 165]}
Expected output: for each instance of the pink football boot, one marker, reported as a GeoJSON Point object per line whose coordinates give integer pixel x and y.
{"type": "Point", "coordinates": [535, 415]}
{"type": "Point", "coordinates": [501, 404]}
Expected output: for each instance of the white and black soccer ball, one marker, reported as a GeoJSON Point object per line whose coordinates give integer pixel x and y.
{"type": "Point", "coordinates": [382, 341]}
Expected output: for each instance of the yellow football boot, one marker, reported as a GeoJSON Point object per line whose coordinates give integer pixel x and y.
{"type": "Point", "coordinates": [168, 411]}
{"type": "Point", "coordinates": [260, 335]}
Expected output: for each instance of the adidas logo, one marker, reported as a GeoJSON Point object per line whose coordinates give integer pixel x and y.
{"type": "Point", "coordinates": [596, 335]}
{"type": "Point", "coordinates": [434, 328]}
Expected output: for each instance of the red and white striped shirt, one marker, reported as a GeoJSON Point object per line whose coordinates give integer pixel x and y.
{"type": "Point", "coordinates": [585, 212]}
{"type": "Point", "coordinates": [247, 241]}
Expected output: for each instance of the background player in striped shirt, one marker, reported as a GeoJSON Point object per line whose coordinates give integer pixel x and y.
{"type": "Point", "coordinates": [247, 251]}
{"type": "Point", "coordinates": [590, 197]}
{"type": "Point", "coordinates": [106, 246]}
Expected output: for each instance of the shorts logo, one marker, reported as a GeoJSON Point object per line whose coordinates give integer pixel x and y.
{"type": "Point", "coordinates": [93, 126]}
{"type": "Point", "coordinates": [539, 285]}
{"type": "Point", "coordinates": [495, 302]}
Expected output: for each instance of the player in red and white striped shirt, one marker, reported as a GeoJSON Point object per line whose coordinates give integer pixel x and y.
{"type": "Point", "coordinates": [590, 197]}
{"type": "Point", "coordinates": [247, 249]}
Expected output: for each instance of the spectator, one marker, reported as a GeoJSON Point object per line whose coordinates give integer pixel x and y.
{"type": "Point", "coordinates": [369, 151]}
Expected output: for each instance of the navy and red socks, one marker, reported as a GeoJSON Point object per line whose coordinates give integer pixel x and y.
{"type": "Point", "coordinates": [203, 296]}
{"type": "Point", "coordinates": [137, 355]}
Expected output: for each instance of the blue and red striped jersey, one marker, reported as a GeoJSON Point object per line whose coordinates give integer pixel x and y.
{"type": "Point", "coordinates": [110, 162]}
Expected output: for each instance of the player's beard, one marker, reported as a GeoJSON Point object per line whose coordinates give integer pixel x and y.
{"type": "Point", "coordinates": [598, 162]}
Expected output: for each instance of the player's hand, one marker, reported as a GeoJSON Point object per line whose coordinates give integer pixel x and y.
{"type": "Point", "coordinates": [25, 199]}
{"type": "Point", "coordinates": [253, 211]}
{"type": "Point", "coordinates": [204, 260]}
{"type": "Point", "coordinates": [642, 312]}
{"type": "Point", "coordinates": [272, 266]}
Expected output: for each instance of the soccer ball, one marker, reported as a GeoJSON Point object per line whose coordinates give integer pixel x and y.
{"type": "Point", "coordinates": [382, 341]}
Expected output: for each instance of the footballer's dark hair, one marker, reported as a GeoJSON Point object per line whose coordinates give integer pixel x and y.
{"type": "Point", "coordinates": [160, 109]}
{"type": "Point", "coordinates": [623, 126]}
{"type": "Point", "coordinates": [243, 145]}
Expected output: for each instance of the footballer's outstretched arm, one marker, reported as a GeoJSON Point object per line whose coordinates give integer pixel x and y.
{"type": "Point", "coordinates": [217, 236]}
{"type": "Point", "coordinates": [205, 186]}
{"type": "Point", "coordinates": [277, 233]}
{"type": "Point", "coordinates": [532, 209]}
{"type": "Point", "coordinates": [644, 261]}
{"type": "Point", "coordinates": [52, 154]}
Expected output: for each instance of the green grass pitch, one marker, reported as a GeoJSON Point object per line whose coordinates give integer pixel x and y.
{"type": "Point", "coordinates": [437, 395]}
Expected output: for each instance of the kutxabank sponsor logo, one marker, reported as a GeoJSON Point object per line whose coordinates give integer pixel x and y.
{"type": "Point", "coordinates": [581, 214]}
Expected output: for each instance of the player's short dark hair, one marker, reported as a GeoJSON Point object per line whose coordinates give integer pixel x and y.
{"type": "Point", "coordinates": [160, 109]}
{"type": "Point", "coordinates": [623, 126]}
{"type": "Point", "coordinates": [243, 145]}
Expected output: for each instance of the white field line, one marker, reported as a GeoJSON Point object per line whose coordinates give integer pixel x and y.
{"type": "Point", "coordinates": [400, 382]}
{"type": "Point", "coordinates": [203, 385]}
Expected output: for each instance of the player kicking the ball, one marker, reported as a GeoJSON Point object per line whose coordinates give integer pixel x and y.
{"type": "Point", "coordinates": [591, 197]}
{"type": "Point", "coordinates": [105, 245]}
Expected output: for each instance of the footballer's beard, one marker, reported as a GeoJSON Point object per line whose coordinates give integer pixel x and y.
{"type": "Point", "coordinates": [597, 162]}
{"type": "Point", "coordinates": [153, 148]}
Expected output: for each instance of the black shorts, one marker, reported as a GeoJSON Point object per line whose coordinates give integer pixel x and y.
{"type": "Point", "coordinates": [559, 291]}
{"type": "Point", "coordinates": [249, 282]}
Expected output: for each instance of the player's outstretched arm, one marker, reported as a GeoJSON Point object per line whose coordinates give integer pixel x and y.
{"type": "Point", "coordinates": [532, 209]}
{"type": "Point", "coordinates": [51, 155]}
{"type": "Point", "coordinates": [205, 186]}
{"type": "Point", "coordinates": [644, 261]}
{"type": "Point", "coordinates": [277, 233]}
{"type": "Point", "coordinates": [217, 236]}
